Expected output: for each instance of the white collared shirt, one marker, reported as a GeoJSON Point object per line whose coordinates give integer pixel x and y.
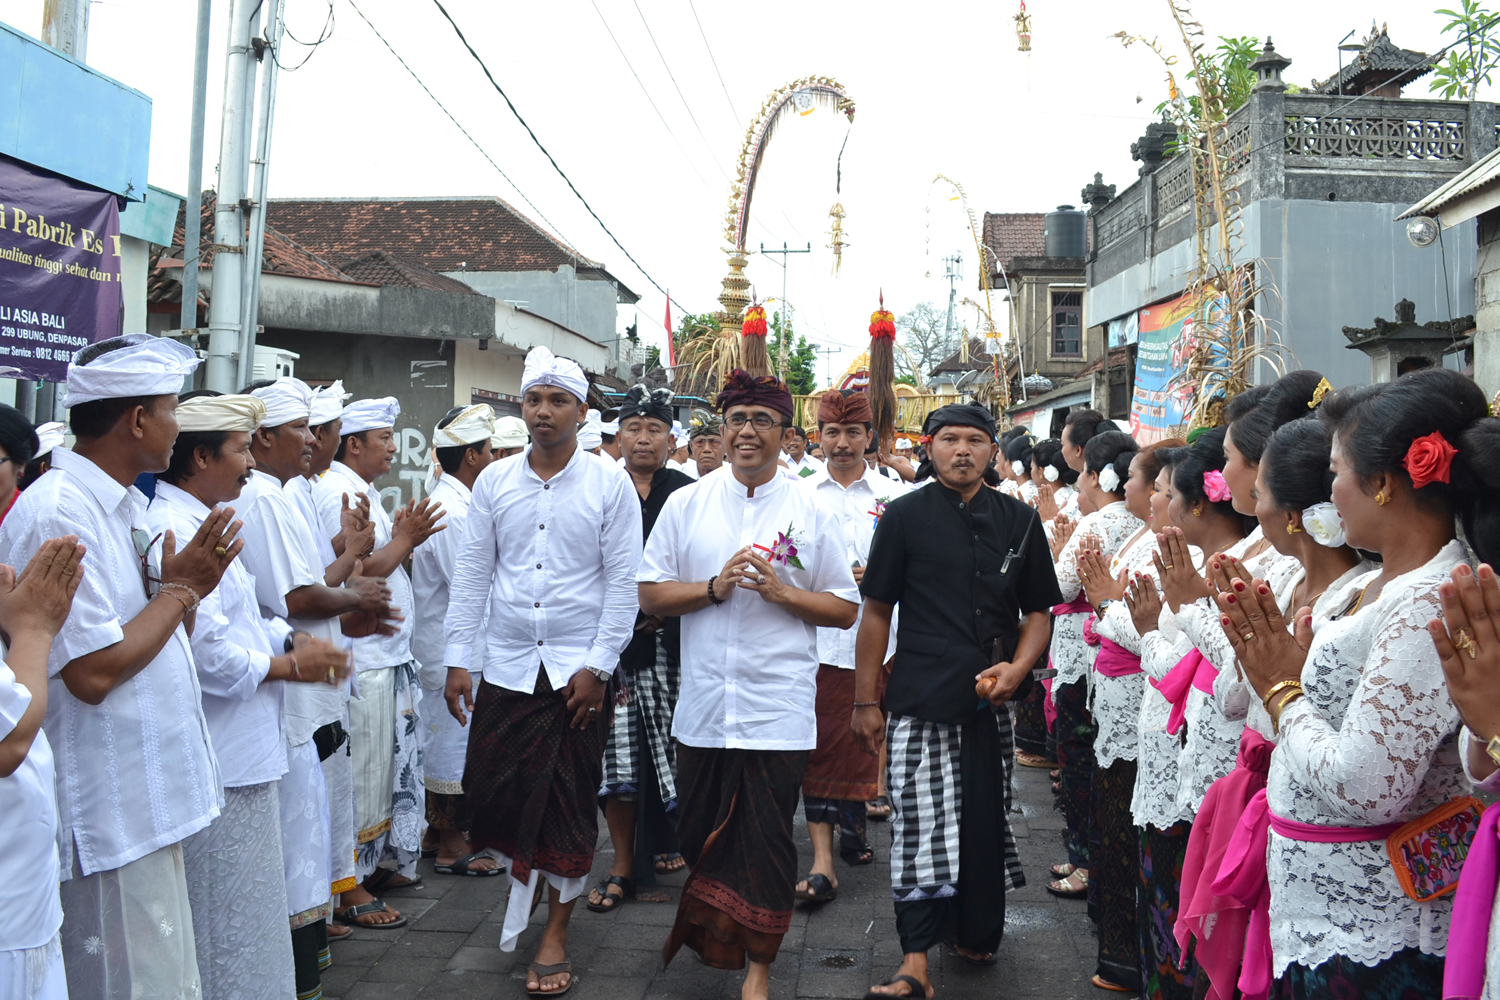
{"type": "Point", "coordinates": [555, 561]}
{"type": "Point", "coordinates": [804, 467]}
{"type": "Point", "coordinates": [232, 649]}
{"type": "Point", "coordinates": [30, 910]}
{"type": "Point", "coordinates": [432, 568]}
{"type": "Point", "coordinates": [283, 552]}
{"type": "Point", "coordinates": [749, 669]}
{"type": "Point", "coordinates": [371, 652]}
{"type": "Point", "coordinates": [856, 509]}
{"type": "Point", "coordinates": [136, 772]}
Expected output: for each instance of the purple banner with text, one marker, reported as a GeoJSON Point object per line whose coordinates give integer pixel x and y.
{"type": "Point", "coordinates": [59, 271]}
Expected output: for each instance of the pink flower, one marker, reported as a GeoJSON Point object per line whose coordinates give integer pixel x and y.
{"type": "Point", "coordinates": [1215, 486]}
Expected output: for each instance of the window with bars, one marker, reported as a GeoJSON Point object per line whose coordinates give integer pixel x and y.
{"type": "Point", "coordinates": [1067, 324]}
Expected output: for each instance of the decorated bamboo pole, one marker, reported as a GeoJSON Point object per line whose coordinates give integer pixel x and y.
{"type": "Point", "coordinates": [883, 374]}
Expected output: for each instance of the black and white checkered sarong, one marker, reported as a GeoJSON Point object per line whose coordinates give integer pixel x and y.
{"type": "Point", "coordinates": [926, 792]}
{"type": "Point", "coordinates": [643, 706]}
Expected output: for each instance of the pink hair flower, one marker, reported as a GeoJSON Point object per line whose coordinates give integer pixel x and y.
{"type": "Point", "coordinates": [1215, 486]}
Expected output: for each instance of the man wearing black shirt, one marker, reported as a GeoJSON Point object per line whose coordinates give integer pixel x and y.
{"type": "Point", "coordinates": [640, 758]}
{"type": "Point", "coordinates": [971, 570]}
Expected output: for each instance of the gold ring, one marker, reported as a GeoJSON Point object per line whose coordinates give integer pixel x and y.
{"type": "Point", "coordinates": [332, 675]}
{"type": "Point", "coordinates": [1248, 636]}
{"type": "Point", "coordinates": [1168, 566]}
{"type": "Point", "coordinates": [1468, 645]}
{"type": "Point", "coordinates": [220, 551]}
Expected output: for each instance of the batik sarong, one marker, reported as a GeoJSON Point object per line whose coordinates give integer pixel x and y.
{"type": "Point", "coordinates": [386, 745]}
{"type": "Point", "coordinates": [1075, 731]}
{"type": "Point", "coordinates": [735, 825]}
{"type": "Point", "coordinates": [949, 786]}
{"type": "Point", "coordinates": [1162, 965]}
{"type": "Point", "coordinates": [1114, 873]}
{"type": "Point", "coordinates": [1406, 975]}
{"type": "Point", "coordinates": [1031, 717]}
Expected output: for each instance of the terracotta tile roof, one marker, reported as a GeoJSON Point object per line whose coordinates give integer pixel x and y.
{"type": "Point", "coordinates": [441, 234]}
{"type": "Point", "coordinates": [381, 268]}
{"type": "Point", "coordinates": [1016, 234]}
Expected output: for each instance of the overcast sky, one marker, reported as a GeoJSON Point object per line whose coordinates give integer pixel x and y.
{"type": "Point", "coordinates": [940, 88]}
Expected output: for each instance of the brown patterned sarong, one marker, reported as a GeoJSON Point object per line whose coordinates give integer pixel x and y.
{"type": "Point", "coordinates": [838, 769]}
{"type": "Point", "coordinates": [531, 782]}
{"type": "Point", "coordinates": [735, 824]}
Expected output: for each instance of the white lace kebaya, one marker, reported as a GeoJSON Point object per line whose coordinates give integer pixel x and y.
{"type": "Point", "coordinates": [1113, 525]}
{"type": "Point", "coordinates": [1372, 742]}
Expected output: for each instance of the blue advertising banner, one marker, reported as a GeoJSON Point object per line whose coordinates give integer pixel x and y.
{"type": "Point", "coordinates": [59, 271]}
{"type": "Point", "coordinates": [1165, 342]}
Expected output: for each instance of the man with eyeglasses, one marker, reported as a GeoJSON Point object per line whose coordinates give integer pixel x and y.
{"type": "Point", "coordinates": [753, 565]}
{"type": "Point", "coordinates": [136, 774]}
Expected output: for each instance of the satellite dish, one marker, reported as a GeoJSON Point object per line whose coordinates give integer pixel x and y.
{"type": "Point", "coordinates": [965, 381]}
{"type": "Point", "coordinates": [1422, 231]}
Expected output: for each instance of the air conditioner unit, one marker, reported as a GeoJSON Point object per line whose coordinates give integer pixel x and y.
{"type": "Point", "coordinates": [273, 363]}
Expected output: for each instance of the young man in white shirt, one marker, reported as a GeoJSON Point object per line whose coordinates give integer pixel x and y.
{"type": "Point", "coordinates": [840, 779]}
{"type": "Point", "coordinates": [551, 547]}
{"type": "Point", "coordinates": [384, 730]}
{"type": "Point", "coordinates": [236, 878]}
{"type": "Point", "coordinates": [136, 774]}
{"type": "Point", "coordinates": [461, 443]}
{"type": "Point", "coordinates": [32, 609]}
{"type": "Point", "coordinates": [753, 566]}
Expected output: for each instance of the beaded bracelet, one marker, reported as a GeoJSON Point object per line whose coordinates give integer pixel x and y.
{"type": "Point", "coordinates": [167, 589]}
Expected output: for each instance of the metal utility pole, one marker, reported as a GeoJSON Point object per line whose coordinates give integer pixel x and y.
{"type": "Point", "coordinates": [786, 322]}
{"type": "Point", "coordinates": [953, 272]}
{"type": "Point", "coordinates": [828, 360]}
{"type": "Point", "coordinates": [250, 318]}
{"type": "Point", "coordinates": [192, 220]}
{"type": "Point", "coordinates": [224, 312]}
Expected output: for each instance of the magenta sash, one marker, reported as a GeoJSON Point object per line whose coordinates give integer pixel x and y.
{"type": "Point", "coordinates": [1219, 922]}
{"type": "Point", "coordinates": [1473, 905]}
{"type": "Point", "coordinates": [1078, 606]}
{"type": "Point", "coordinates": [1115, 660]}
{"type": "Point", "coordinates": [1243, 876]}
{"type": "Point", "coordinates": [1192, 671]}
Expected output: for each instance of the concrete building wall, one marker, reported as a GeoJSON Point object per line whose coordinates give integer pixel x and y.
{"type": "Point", "coordinates": [492, 370]}
{"type": "Point", "coordinates": [135, 259]}
{"type": "Point", "coordinates": [589, 307]}
{"type": "Point", "coordinates": [1487, 305]}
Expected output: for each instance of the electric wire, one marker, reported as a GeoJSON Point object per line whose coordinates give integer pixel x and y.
{"type": "Point", "coordinates": [710, 50]}
{"type": "Point", "coordinates": [683, 97]}
{"type": "Point", "coordinates": [499, 90]}
{"type": "Point", "coordinates": [324, 34]}
{"type": "Point", "coordinates": [530, 204]}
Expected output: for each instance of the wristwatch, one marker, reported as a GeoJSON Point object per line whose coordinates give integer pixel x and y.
{"type": "Point", "coordinates": [1491, 746]}
{"type": "Point", "coordinates": [1104, 604]}
{"type": "Point", "coordinates": [601, 675]}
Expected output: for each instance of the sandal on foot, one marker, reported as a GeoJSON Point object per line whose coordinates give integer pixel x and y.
{"type": "Point", "coordinates": [1064, 870]}
{"type": "Point", "coordinates": [382, 879]}
{"type": "Point", "coordinates": [465, 866]}
{"type": "Point", "coordinates": [863, 856]}
{"type": "Point", "coordinates": [819, 889]}
{"type": "Point", "coordinates": [350, 917]}
{"type": "Point", "coordinates": [1105, 984]}
{"type": "Point", "coordinates": [666, 864]}
{"type": "Point", "coordinates": [1074, 886]}
{"type": "Point", "coordinates": [608, 900]}
{"type": "Point", "coordinates": [985, 962]}
{"type": "Point", "coordinates": [917, 989]}
{"type": "Point", "coordinates": [879, 809]}
{"type": "Point", "coordinates": [1033, 760]}
{"type": "Point", "coordinates": [543, 971]}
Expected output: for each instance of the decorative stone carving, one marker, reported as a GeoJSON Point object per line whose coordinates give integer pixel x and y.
{"type": "Point", "coordinates": [1395, 348]}
{"type": "Point", "coordinates": [1097, 194]}
{"type": "Point", "coordinates": [1268, 66]}
{"type": "Point", "coordinates": [1151, 148]}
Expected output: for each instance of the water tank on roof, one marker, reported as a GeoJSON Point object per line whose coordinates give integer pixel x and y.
{"type": "Point", "coordinates": [1066, 233]}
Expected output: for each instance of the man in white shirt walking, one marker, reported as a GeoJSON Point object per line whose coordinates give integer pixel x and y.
{"type": "Point", "coordinates": [753, 566]}
{"type": "Point", "coordinates": [136, 774]}
{"type": "Point", "coordinates": [236, 881]}
{"type": "Point", "coordinates": [461, 442]}
{"type": "Point", "coordinates": [388, 797]}
{"type": "Point", "coordinates": [840, 779]}
{"type": "Point", "coordinates": [551, 547]}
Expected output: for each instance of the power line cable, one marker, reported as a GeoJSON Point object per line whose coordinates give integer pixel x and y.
{"type": "Point", "coordinates": [691, 117]}
{"type": "Point", "coordinates": [530, 204]}
{"type": "Point", "coordinates": [649, 99]}
{"type": "Point", "coordinates": [710, 50]}
{"type": "Point", "coordinates": [489, 76]}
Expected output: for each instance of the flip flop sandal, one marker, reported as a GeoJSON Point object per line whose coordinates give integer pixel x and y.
{"type": "Point", "coordinates": [611, 901]}
{"type": "Point", "coordinates": [819, 889]}
{"type": "Point", "coordinates": [1033, 760]}
{"type": "Point", "coordinates": [543, 971]}
{"type": "Point", "coordinates": [339, 932]}
{"type": "Point", "coordinates": [880, 809]}
{"type": "Point", "coordinates": [381, 879]}
{"type": "Point", "coordinates": [350, 917]}
{"type": "Point", "coordinates": [982, 963]}
{"type": "Point", "coordinates": [917, 989]}
{"type": "Point", "coordinates": [663, 863]}
{"type": "Point", "coordinates": [464, 866]}
{"type": "Point", "coordinates": [1077, 887]}
{"type": "Point", "coordinates": [1105, 984]}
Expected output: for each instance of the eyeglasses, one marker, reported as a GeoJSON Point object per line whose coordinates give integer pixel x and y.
{"type": "Point", "coordinates": [143, 543]}
{"type": "Point", "coordinates": [761, 421]}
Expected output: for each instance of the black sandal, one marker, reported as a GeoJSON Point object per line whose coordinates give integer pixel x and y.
{"type": "Point", "coordinates": [381, 878]}
{"type": "Point", "coordinates": [819, 889]}
{"type": "Point", "coordinates": [863, 856]}
{"type": "Point", "coordinates": [607, 900]}
{"type": "Point", "coordinates": [465, 866]}
{"type": "Point", "coordinates": [663, 863]}
{"type": "Point", "coordinates": [917, 989]}
{"type": "Point", "coordinates": [879, 809]}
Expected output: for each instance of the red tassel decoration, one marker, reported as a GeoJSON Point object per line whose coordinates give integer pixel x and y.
{"type": "Point", "coordinates": [883, 374]}
{"type": "Point", "coordinates": [755, 322]}
{"type": "Point", "coordinates": [753, 356]}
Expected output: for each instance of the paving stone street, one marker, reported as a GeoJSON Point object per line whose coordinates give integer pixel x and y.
{"type": "Point", "coordinates": [449, 949]}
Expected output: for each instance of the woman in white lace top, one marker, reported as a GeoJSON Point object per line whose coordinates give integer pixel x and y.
{"type": "Point", "coordinates": [1367, 731]}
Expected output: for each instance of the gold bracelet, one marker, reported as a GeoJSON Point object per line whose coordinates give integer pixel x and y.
{"type": "Point", "coordinates": [1279, 686]}
{"type": "Point", "coordinates": [1276, 715]}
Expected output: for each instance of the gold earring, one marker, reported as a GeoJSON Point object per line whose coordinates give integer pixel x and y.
{"type": "Point", "coordinates": [1381, 498]}
{"type": "Point", "coordinates": [1292, 529]}
{"type": "Point", "coordinates": [1197, 511]}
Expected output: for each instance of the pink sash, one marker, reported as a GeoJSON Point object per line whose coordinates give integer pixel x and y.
{"type": "Point", "coordinates": [1243, 876]}
{"type": "Point", "coordinates": [1192, 671]}
{"type": "Point", "coordinates": [1473, 905]}
{"type": "Point", "coordinates": [1219, 922]}
{"type": "Point", "coordinates": [1115, 660]}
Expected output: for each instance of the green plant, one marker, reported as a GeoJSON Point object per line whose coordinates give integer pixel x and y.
{"type": "Point", "coordinates": [1472, 57]}
{"type": "Point", "coordinates": [1227, 73]}
{"type": "Point", "coordinates": [801, 358]}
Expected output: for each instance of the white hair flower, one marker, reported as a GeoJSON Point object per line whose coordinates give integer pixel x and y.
{"type": "Point", "coordinates": [1325, 524]}
{"type": "Point", "coordinates": [1109, 479]}
{"type": "Point", "coordinates": [1051, 474]}
{"type": "Point", "coordinates": [1017, 468]}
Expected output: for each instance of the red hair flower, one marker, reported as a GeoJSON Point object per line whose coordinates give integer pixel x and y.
{"type": "Point", "coordinates": [925, 440]}
{"type": "Point", "coordinates": [1428, 459]}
